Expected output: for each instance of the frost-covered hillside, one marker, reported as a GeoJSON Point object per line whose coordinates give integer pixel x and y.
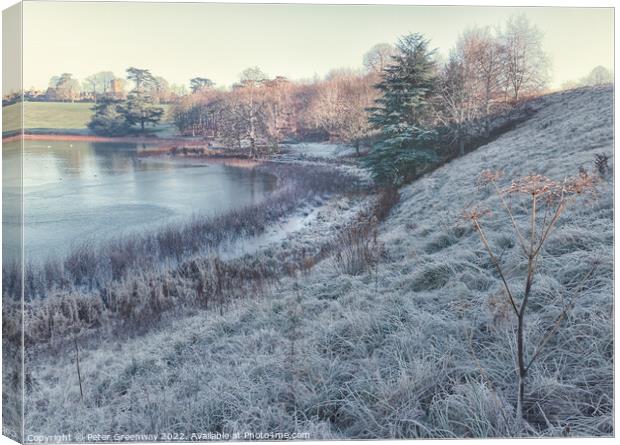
{"type": "Point", "coordinates": [419, 346]}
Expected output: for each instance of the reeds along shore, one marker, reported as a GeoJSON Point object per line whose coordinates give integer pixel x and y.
{"type": "Point", "coordinates": [137, 279]}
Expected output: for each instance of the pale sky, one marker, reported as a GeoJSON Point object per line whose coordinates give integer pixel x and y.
{"type": "Point", "coordinates": [181, 41]}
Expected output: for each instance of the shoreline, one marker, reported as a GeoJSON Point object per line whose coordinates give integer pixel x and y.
{"type": "Point", "coordinates": [94, 138]}
{"type": "Point", "coordinates": [161, 145]}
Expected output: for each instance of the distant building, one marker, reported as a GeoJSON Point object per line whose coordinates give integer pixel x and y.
{"type": "Point", "coordinates": [117, 89]}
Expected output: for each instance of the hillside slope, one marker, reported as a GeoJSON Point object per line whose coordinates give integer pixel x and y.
{"type": "Point", "coordinates": [418, 347]}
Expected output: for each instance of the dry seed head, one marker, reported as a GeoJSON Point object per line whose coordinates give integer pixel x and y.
{"type": "Point", "coordinates": [475, 213]}
{"type": "Point", "coordinates": [581, 184]}
{"type": "Point", "coordinates": [488, 176]}
{"type": "Point", "coordinates": [534, 185]}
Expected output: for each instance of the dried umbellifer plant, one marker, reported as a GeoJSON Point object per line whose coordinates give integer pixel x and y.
{"type": "Point", "coordinates": [545, 200]}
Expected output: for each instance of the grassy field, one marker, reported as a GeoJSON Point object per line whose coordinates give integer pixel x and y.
{"type": "Point", "coordinates": [54, 115]}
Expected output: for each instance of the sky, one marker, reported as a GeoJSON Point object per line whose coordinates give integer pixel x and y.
{"type": "Point", "coordinates": [181, 41]}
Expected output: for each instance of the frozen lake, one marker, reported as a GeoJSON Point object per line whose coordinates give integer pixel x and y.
{"type": "Point", "coordinates": [91, 191]}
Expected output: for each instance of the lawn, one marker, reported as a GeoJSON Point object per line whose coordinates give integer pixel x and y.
{"type": "Point", "coordinates": [54, 116]}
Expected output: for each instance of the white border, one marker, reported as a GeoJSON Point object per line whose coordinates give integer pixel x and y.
{"type": "Point", "coordinates": [558, 3]}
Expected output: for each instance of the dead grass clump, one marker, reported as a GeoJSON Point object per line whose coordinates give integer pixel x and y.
{"type": "Point", "coordinates": [357, 249]}
{"type": "Point", "coordinates": [81, 265]}
{"type": "Point", "coordinates": [431, 276]}
{"type": "Point", "coordinates": [472, 409]}
{"type": "Point", "coordinates": [11, 280]}
{"type": "Point", "coordinates": [441, 241]}
{"type": "Point", "coordinates": [135, 303]}
{"type": "Point", "coordinates": [387, 199]}
{"type": "Point", "coordinates": [357, 246]}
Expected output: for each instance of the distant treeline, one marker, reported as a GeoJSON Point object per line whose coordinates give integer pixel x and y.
{"type": "Point", "coordinates": [409, 84]}
{"type": "Point", "coordinates": [406, 107]}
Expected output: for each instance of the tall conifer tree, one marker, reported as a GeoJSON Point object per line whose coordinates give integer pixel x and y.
{"type": "Point", "coordinates": [403, 113]}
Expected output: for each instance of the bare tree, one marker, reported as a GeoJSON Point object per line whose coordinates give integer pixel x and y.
{"type": "Point", "coordinates": [327, 107]}
{"type": "Point", "coordinates": [159, 90]}
{"type": "Point", "coordinates": [178, 90]}
{"type": "Point", "coordinates": [104, 81]}
{"type": "Point", "coordinates": [99, 83]}
{"type": "Point", "coordinates": [253, 75]}
{"type": "Point", "coordinates": [483, 52]}
{"type": "Point", "coordinates": [90, 85]}
{"type": "Point", "coordinates": [340, 107]}
{"type": "Point", "coordinates": [234, 127]}
{"type": "Point", "coordinates": [358, 94]}
{"type": "Point", "coordinates": [67, 88]}
{"type": "Point", "coordinates": [598, 76]}
{"type": "Point", "coordinates": [247, 107]}
{"type": "Point", "coordinates": [458, 100]}
{"type": "Point", "coordinates": [278, 108]}
{"type": "Point", "coordinates": [525, 64]}
{"type": "Point", "coordinates": [378, 57]}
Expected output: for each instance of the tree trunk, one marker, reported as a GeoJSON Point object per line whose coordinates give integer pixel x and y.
{"type": "Point", "coordinates": [516, 88]}
{"type": "Point", "coordinates": [521, 318]}
{"type": "Point", "coordinates": [252, 137]}
{"type": "Point", "coordinates": [460, 139]}
{"type": "Point", "coordinates": [252, 148]}
{"type": "Point", "coordinates": [487, 110]}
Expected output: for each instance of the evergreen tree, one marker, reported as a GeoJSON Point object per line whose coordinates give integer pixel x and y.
{"type": "Point", "coordinates": [139, 108]}
{"type": "Point", "coordinates": [198, 84]}
{"type": "Point", "coordinates": [108, 119]}
{"type": "Point", "coordinates": [142, 78]}
{"type": "Point", "coordinates": [403, 113]}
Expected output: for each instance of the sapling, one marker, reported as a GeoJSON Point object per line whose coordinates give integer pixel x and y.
{"type": "Point", "coordinates": [77, 364]}
{"type": "Point", "coordinates": [544, 201]}
{"type": "Point", "coordinates": [294, 318]}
